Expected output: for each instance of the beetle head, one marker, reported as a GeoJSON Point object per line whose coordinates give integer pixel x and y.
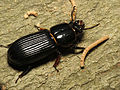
{"type": "Point", "coordinates": [79, 26]}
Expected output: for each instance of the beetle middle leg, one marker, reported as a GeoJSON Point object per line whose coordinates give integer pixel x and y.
{"type": "Point", "coordinates": [57, 61]}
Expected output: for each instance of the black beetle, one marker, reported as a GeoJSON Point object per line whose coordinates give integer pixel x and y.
{"type": "Point", "coordinates": [35, 47]}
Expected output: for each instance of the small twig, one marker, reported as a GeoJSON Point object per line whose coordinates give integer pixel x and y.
{"type": "Point", "coordinates": [29, 13]}
{"type": "Point", "coordinates": [73, 13]}
{"type": "Point", "coordinates": [89, 48]}
{"type": "Point", "coordinates": [72, 2]}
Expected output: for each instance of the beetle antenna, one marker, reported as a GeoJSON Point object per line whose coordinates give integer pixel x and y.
{"type": "Point", "coordinates": [91, 27]}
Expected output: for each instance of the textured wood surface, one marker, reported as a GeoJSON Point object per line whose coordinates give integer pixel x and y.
{"type": "Point", "coordinates": [102, 65]}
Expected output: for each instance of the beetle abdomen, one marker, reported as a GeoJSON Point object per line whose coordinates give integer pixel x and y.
{"type": "Point", "coordinates": [31, 48]}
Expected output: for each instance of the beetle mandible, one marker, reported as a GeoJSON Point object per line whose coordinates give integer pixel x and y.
{"type": "Point", "coordinates": [35, 47]}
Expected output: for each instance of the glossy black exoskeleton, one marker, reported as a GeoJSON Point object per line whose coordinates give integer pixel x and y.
{"type": "Point", "coordinates": [35, 47]}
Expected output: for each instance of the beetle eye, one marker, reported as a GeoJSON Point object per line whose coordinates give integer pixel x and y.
{"type": "Point", "coordinates": [81, 22]}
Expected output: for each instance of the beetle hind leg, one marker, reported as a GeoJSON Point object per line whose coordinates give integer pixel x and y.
{"type": "Point", "coordinates": [26, 71]}
{"type": "Point", "coordinates": [6, 46]}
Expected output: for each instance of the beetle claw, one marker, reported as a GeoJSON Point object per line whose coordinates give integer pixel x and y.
{"type": "Point", "coordinates": [56, 69]}
{"type": "Point", "coordinates": [17, 79]}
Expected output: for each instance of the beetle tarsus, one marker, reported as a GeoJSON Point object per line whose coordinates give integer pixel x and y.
{"type": "Point", "coordinates": [18, 78]}
{"type": "Point", "coordinates": [56, 69]}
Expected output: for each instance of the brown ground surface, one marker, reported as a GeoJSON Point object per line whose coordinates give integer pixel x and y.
{"type": "Point", "coordinates": [102, 70]}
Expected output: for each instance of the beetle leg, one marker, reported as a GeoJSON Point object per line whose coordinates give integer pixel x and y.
{"type": "Point", "coordinates": [6, 46]}
{"type": "Point", "coordinates": [91, 27]}
{"type": "Point", "coordinates": [26, 71]}
{"type": "Point", "coordinates": [3, 46]}
{"type": "Point", "coordinates": [38, 28]}
{"type": "Point", "coordinates": [57, 61]}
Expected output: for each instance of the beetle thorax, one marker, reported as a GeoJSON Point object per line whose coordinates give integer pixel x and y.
{"type": "Point", "coordinates": [63, 34]}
